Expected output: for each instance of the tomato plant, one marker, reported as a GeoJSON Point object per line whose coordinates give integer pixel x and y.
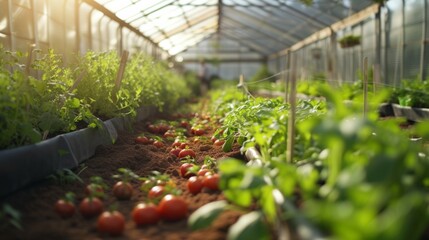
{"type": "Point", "coordinates": [173, 208]}
{"type": "Point", "coordinates": [123, 190]}
{"type": "Point", "coordinates": [145, 214]}
{"type": "Point", "coordinates": [185, 170]}
{"type": "Point", "coordinates": [112, 223]}
{"type": "Point", "coordinates": [65, 207]}
{"type": "Point", "coordinates": [97, 187]}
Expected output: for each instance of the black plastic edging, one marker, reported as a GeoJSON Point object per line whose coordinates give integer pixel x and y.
{"type": "Point", "coordinates": [23, 165]}
{"type": "Point", "coordinates": [304, 229]}
{"type": "Point", "coordinates": [411, 113]}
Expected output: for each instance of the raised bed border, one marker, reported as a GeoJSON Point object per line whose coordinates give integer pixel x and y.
{"type": "Point", "coordinates": [23, 165]}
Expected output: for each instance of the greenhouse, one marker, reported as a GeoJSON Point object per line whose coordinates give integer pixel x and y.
{"type": "Point", "coordinates": [214, 119]}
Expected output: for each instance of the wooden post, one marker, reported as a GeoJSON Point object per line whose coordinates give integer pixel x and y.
{"type": "Point", "coordinates": [292, 114]}
{"type": "Point", "coordinates": [121, 70]}
{"type": "Point", "coordinates": [365, 86]}
{"type": "Point", "coordinates": [287, 79]}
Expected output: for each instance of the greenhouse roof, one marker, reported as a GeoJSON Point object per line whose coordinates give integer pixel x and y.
{"type": "Point", "coordinates": [263, 27]}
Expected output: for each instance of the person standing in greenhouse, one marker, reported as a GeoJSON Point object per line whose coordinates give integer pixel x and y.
{"type": "Point", "coordinates": [203, 76]}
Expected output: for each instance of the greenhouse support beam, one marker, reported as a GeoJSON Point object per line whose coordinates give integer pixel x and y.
{"type": "Point", "coordinates": [424, 36]}
{"type": "Point", "coordinates": [121, 22]}
{"type": "Point", "coordinates": [220, 15]}
{"type": "Point", "coordinates": [231, 60]}
{"type": "Point", "coordinates": [377, 60]}
{"type": "Point", "coordinates": [326, 32]}
{"type": "Point", "coordinates": [263, 24]}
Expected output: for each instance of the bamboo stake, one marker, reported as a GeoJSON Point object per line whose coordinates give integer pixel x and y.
{"type": "Point", "coordinates": [78, 80]}
{"type": "Point", "coordinates": [292, 114]}
{"type": "Point", "coordinates": [121, 70]}
{"type": "Point", "coordinates": [365, 86]}
{"type": "Point", "coordinates": [29, 58]}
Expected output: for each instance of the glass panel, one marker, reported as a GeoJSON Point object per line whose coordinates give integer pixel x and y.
{"type": "Point", "coordinates": [4, 17]}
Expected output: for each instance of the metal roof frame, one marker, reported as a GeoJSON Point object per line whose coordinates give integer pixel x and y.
{"type": "Point", "coordinates": [176, 25]}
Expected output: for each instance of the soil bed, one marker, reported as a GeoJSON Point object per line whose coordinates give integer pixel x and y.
{"type": "Point", "coordinates": [35, 203]}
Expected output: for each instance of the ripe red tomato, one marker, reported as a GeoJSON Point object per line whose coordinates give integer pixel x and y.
{"type": "Point", "coordinates": [156, 192]}
{"type": "Point", "coordinates": [123, 191]}
{"type": "Point", "coordinates": [90, 207]}
{"type": "Point", "coordinates": [64, 208]}
{"type": "Point", "coordinates": [176, 144]}
{"type": "Point", "coordinates": [187, 152]}
{"type": "Point", "coordinates": [112, 223]}
{"type": "Point", "coordinates": [144, 214]}
{"type": "Point", "coordinates": [202, 172]}
{"type": "Point", "coordinates": [199, 132]}
{"type": "Point", "coordinates": [219, 142]}
{"type": "Point", "coordinates": [172, 208]}
{"type": "Point", "coordinates": [153, 129]}
{"type": "Point", "coordinates": [184, 170]}
{"type": "Point", "coordinates": [175, 151]}
{"type": "Point", "coordinates": [195, 184]}
{"type": "Point", "coordinates": [184, 124]}
{"type": "Point", "coordinates": [213, 139]}
{"type": "Point", "coordinates": [142, 140]}
{"type": "Point", "coordinates": [211, 181]}
{"type": "Point", "coordinates": [158, 144]}
{"type": "Point", "coordinates": [169, 134]}
{"type": "Point", "coordinates": [183, 145]}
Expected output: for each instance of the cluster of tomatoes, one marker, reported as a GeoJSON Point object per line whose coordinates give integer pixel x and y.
{"type": "Point", "coordinates": [164, 201]}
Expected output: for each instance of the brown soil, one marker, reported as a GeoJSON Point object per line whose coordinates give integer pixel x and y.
{"type": "Point", "coordinates": [39, 221]}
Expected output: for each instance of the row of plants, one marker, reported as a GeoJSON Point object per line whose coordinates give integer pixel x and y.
{"type": "Point", "coordinates": [59, 98]}
{"type": "Point", "coordinates": [352, 177]}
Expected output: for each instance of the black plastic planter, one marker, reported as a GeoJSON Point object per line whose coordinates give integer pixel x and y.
{"type": "Point", "coordinates": [24, 165]}
{"type": "Point", "coordinates": [411, 113]}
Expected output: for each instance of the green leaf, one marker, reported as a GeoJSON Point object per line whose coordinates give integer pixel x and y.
{"type": "Point", "coordinates": [249, 226]}
{"type": "Point", "coordinates": [206, 214]}
{"type": "Point", "coordinates": [227, 146]}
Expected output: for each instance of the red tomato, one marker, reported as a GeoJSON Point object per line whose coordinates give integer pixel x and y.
{"type": "Point", "coordinates": [187, 152]}
{"type": "Point", "coordinates": [213, 139]}
{"type": "Point", "coordinates": [176, 144]}
{"type": "Point", "coordinates": [172, 208]}
{"type": "Point", "coordinates": [211, 181]}
{"type": "Point", "coordinates": [64, 208]}
{"type": "Point", "coordinates": [144, 214]}
{"type": "Point", "coordinates": [183, 145]}
{"type": "Point", "coordinates": [153, 129]}
{"type": "Point", "coordinates": [169, 134]}
{"type": "Point", "coordinates": [156, 192]}
{"type": "Point", "coordinates": [123, 191]}
{"type": "Point", "coordinates": [194, 184]}
{"type": "Point", "coordinates": [142, 140]}
{"type": "Point", "coordinates": [184, 124]}
{"type": "Point", "coordinates": [175, 151]}
{"type": "Point", "coordinates": [202, 172]}
{"type": "Point", "coordinates": [90, 207]}
{"type": "Point", "coordinates": [158, 144]}
{"type": "Point", "coordinates": [219, 142]}
{"type": "Point", "coordinates": [112, 223]}
{"type": "Point", "coordinates": [184, 168]}
{"type": "Point", "coordinates": [199, 132]}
